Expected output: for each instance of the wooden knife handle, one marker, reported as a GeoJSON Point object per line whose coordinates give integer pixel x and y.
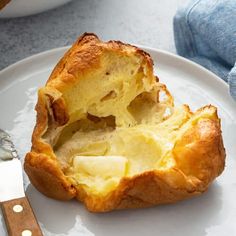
{"type": "Point", "coordinates": [19, 218]}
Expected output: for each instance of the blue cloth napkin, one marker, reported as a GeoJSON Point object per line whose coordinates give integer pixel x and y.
{"type": "Point", "coordinates": [205, 32]}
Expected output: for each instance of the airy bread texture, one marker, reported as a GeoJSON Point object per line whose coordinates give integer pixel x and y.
{"type": "Point", "coordinates": [108, 134]}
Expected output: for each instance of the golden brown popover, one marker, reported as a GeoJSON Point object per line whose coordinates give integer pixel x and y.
{"type": "Point", "coordinates": [3, 3]}
{"type": "Point", "coordinates": [108, 133]}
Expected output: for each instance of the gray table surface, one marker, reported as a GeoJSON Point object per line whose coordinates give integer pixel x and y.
{"type": "Point", "coordinates": [145, 22]}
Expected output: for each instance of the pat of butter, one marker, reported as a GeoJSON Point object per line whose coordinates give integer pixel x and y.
{"type": "Point", "coordinates": [102, 166]}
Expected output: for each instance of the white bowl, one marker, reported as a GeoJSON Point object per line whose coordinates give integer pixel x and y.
{"type": "Point", "coordinates": [17, 8]}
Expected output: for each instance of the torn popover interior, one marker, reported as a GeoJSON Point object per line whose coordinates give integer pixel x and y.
{"type": "Point", "coordinates": [107, 133]}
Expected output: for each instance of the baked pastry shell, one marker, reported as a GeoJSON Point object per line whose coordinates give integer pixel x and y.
{"type": "Point", "coordinates": [199, 154]}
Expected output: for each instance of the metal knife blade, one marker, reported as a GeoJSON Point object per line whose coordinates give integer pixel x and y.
{"type": "Point", "coordinates": [16, 209]}
{"type": "Point", "coordinates": [11, 180]}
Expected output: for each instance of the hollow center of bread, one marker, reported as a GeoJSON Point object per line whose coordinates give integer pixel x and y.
{"type": "Point", "coordinates": [95, 155]}
{"type": "Point", "coordinates": [116, 127]}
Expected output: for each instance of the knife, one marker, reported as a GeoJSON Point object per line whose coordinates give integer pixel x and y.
{"type": "Point", "coordinates": [17, 212]}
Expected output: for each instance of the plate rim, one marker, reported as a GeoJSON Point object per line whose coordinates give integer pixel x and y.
{"type": "Point", "coordinates": [152, 49]}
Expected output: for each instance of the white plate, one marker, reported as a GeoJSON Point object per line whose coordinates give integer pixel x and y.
{"type": "Point", "coordinates": [212, 214]}
{"type": "Point", "coordinates": [17, 8]}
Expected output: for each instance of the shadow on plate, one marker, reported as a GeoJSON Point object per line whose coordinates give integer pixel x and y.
{"type": "Point", "coordinates": [190, 217]}
{"type": "Point", "coordinates": [3, 229]}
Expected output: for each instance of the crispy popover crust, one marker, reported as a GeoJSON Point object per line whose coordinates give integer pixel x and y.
{"type": "Point", "coordinates": [198, 153]}
{"type": "Point", "coordinates": [3, 3]}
